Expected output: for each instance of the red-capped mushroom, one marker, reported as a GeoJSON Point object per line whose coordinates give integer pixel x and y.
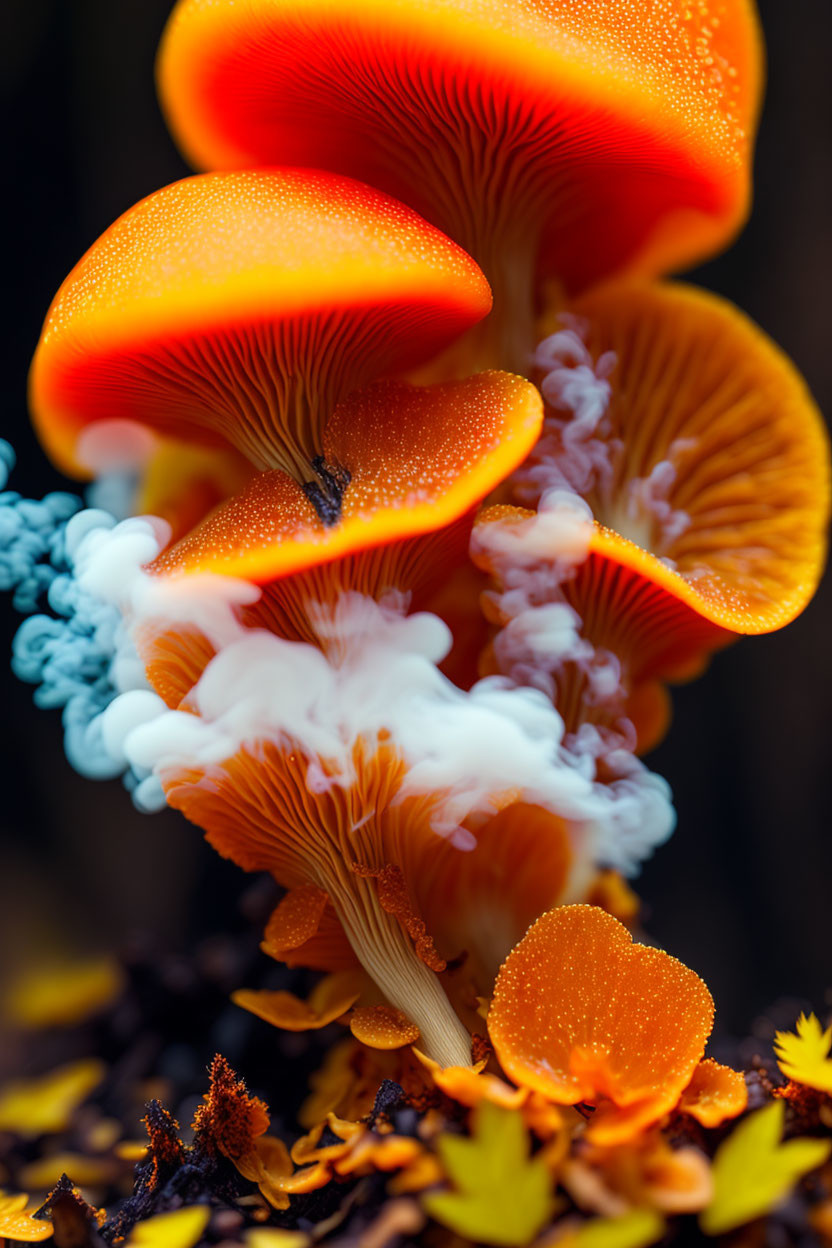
{"type": "Point", "coordinates": [560, 139]}
{"type": "Point", "coordinates": [238, 309]}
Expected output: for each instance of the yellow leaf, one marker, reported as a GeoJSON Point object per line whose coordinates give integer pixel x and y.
{"type": "Point", "coordinates": [63, 994]}
{"type": "Point", "coordinates": [45, 1105]}
{"type": "Point", "coordinates": [274, 1237]}
{"type": "Point", "coordinates": [635, 1229]}
{"type": "Point", "coordinates": [753, 1171]}
{"type": "Point", "coordinates": [502, 1197]}
{"type": "Point", "coordinates": [180, 1229]}
{"type": "Point", "coordinates": [17, 1223]}
{"type": "Point", "coordinates": [805, 1057]}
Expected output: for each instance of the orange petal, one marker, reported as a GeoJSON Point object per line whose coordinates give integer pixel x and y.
{"type": "Point", "coordinates": [328, 1000]}
{"type": "Point", "coordinates": [267, 1164]}
{"type": "Point", "coordinates": [349, 1079]}
{"type": "Point", "coordinates": [580, 1013]}
{"type": "Point", "coordinates": [307, 1149]}
{"type": "Point", "coordinates": [644, 1172]}
{"type": "Point", "coordinates": [612, 1124]}
{"type": "Point", "coordinates": [385, 1153]}
{"type": "Point", "coordinates": [324, 946]}
{"type": "Point", "coordinates": [714, 1094]}
{"type": "Point", "coordinates": [238, 308]}
{"type": "Point", "coordinates": [469, 1085]}
{"type": "Point", "coordinates": [382, 1027]}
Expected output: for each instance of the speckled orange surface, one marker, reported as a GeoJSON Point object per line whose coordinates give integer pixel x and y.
{"type": "Point", "coordinates": [239, 308]}
{"type": "Point", "coordinates": [619, 133]}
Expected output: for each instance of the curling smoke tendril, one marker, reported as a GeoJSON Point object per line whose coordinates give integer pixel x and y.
{"type": "Point", "coordinates": [472, 746]}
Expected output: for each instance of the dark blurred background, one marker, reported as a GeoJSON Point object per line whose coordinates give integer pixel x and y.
{"type": "Point", "coordinates": [743, 890]}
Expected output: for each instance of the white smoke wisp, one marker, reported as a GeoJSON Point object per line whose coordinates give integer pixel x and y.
{"type": "Point", "coordinates": [531, 560]}
{"type": "Point", "coordinates": [374, 678]}
{"type": "Point", "coordinates": [578, 453]}
{"type": "Point", "coordinates": [575, 452]}
{"type": "Point", "coordinates": [382, 683]}
{"type": "Point", "coordinates": [116, 452]}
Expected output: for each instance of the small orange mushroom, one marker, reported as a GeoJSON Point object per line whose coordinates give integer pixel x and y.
{"type": "Point", "coordinates": [582, 1014]}
{"type": "Point", "coordinates": [238, 309]}
{"type": "Point", "coordinates": [706, 468]}
{"type": "Point", "coordinates": [557, 139]}
{"type": "Point", "coordinates": [415, 463]}
{"type": "Point", "coordinates": [714, 1094]}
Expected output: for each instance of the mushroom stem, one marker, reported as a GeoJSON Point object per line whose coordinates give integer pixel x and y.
{"type": "Point", "coordinates": [355, 841]}
{"type": "Point", "coordinates": [507, 337]}
{"type": "Point", "coordinates": [387, 953]}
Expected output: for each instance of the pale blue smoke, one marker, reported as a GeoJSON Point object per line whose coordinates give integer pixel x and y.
{"type": "Point", "coordinates": [31, 539]}
{"type": "Point", "coordinates": [74, 654]}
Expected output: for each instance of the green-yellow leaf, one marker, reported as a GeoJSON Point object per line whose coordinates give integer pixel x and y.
{"type": "Point", "coordinates": [502, 1196]}
{"type": "Point", "coordinates": [635, 1229]}
{"type": "Point", "coordinates": [805, 1057]}
{"type": "Point", "coordinates": [180, 1229]}
{"type": "Point", "coordinates": [753, 1171]}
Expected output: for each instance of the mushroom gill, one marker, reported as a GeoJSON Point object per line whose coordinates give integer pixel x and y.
{"type": "Point", "coordinates": [553, 141]}
{"type": "Point", "coordinates": [416, 463]}
{"type": "Point", "coordinates": [705, 465]}
{"type": "Point", "coordinates": [260, 810]}
{"type": "Point", "coordinates": [237, 309]}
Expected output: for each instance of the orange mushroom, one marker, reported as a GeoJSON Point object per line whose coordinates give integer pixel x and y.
{"type": "Point", "coordinates": [259, 809]}
{"type": "Point", "coordinates": [581, 1014]}
{"type": "Point", "coordinates": [475, 905]}
{"type": "Point", "coordinates": [238, 309]}
{"type": "Point", "coordinates": [478, 905]}
{"type": "Point", "coordinates": [181, 483]}
{"type": "Point", "coordinates": [415, 462]}
{"type": "Point", "coordinates": [706, 468]}
{"type": "Point", "coordinates": [552, 140]}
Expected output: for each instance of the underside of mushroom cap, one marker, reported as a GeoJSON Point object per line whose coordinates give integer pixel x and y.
{"type": "Point", "coordinates": [413, 462]}
{"type": "Point", "coordinates": [408, 459]}
{"type": "Point", "coordinates": [719, 491]}
{"type": "Point", "coordinates": [239, 308]}
{"type": "Point", "coordinates": [611, 135]}
{"type": "Point", "coordinates": [259, 809]}
{"type": "Point", "coordinates": [696, 447]}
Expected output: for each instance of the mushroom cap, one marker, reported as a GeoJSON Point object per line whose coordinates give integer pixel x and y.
{"type": "Point", "coordinates": [480, 903]}
{"type": "Point", "coordinates": [418, 458]}
{"type": "Point", "coordinates": [181, 483]}
{"type": "Point", "coordinates": [581, 1013]}
{"type": "Point", "coordinates": [240, 307]}
{"type": "Point", "coordinates": [712, 513]}
{"type": "Point", "coordinates": [699, 387]}
{"type": "Point", "coordinates": [623, 126]}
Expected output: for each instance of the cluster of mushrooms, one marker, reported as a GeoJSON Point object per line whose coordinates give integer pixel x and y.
{"type": "Point", "coordinates": [406, 359]}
